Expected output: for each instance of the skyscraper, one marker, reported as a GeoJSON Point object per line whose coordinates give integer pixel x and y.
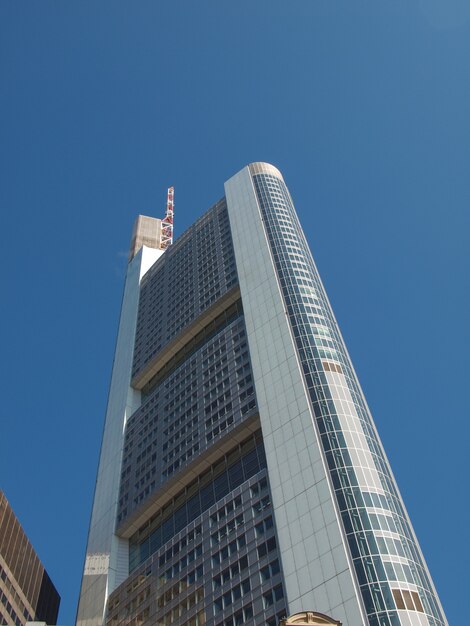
{"type": "Point", "coordinates": [26, 591]}
{"type": "Point", "coordinates": [241, 476]}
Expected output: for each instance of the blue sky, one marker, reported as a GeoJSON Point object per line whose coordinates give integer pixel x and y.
{"type": "Point", "coordinates": [363, 105]}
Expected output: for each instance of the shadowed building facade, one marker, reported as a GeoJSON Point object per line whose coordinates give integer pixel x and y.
{"type": "Point", "coordinates": [26, 591]}
{"type": "Point", "coordinates": [241, 476]}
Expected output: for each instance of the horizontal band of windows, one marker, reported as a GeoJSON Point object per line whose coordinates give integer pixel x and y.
{"type": "Point", "coordinates": [225, 311]}
{"type": "Point", "coordinates": [407, 600]}
{"type": "Point", "coordinates": [234, 469]}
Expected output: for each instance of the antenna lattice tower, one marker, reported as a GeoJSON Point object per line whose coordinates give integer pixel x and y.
{"type": "Point", "coordinates": [166, 238]}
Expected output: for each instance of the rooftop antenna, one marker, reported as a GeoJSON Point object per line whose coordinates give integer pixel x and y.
{"type": "Point", "coordinates": [166, 237]}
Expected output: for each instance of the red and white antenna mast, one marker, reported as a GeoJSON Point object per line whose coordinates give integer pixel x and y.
{"type": "Point", "coordinates": [166, 238]}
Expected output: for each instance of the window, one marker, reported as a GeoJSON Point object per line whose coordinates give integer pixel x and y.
{"type": "Point", "coordinates": [257, 488]}
{"type": "Point", "coordinates": [266, 547]}
{"type": "Point", "coordinates": [273, 596]}
{"type": "Point", "coordinates": [405, 599]}
{"type": "Point", "coordinates": [269, 571]}
{"type": "Point", "coordinates": [262, 504]}
{"type": "Point", "coordinates": [230, 572]}
{"type": "Point", "coordinates": [227, 529]}
{"type": "Point", "coordinates": [232, 595]}
{"type": "Point", "coordinates": [264, 526]}
{"type": "Point", "coordinates": [228, 550]}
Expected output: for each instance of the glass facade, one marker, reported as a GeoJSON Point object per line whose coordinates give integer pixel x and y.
{"type": "Point", "coordinates": [249, 481]}
{"type": "Point", "coordinates": [386, 558]}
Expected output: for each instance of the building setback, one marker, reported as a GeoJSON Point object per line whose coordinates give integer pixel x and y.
{"type": "Point", "coordinates": [241, 477]}
{"type": "Point", "coordinates": [26, 591]}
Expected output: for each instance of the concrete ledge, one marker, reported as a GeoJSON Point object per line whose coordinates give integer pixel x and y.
{"type": "Point", "coordinates": [175, 345]}
{"type": "Point", "coordinates": [180, 481]}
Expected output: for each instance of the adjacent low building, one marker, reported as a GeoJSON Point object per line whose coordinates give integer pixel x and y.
{"type": "Point", "coordinates": [26, 591]}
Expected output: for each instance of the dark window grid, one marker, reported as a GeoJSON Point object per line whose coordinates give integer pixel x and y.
{"type": "Point", "coordinates": [259, 487]}
{"type": "Point", "coordinates": [249, 408]}
{"type": "Point", "coordinates": [182, 406]}
{"type": "Point", "coordinates": [182, 611]}
{"type": "Point", "coordinates": [228, 415]}
{"type": "Point", "coordinates": [274, 595]}
{"type": "Point", "coordinates": [145, 479]}
{"type": "Point", "coordinates": [269, 571]}
{"type": "Point", "coordinates": [171, 421]}
{"type": "Point", "coordinates": [180, 380]}
{"type": "Point", "coordinates": [226, 531]}
{"type": "Point", "coordinates": [182, 414]}
{"type": "Point", "coordinates": [217, 390]}
{"type": "Point", "coordinates": [232, 549]}
{"type": "Point", "coordinates": [208, 301]}
{"type": "Point", "coordinates": [239, 617]}
{"type": "Point", "coordinates": [181, 301]}
{"type": "Point", "coordinates": [144, 493]}
{"type": "Point", "coordinates": [238, 331]}
{"type": "Point", "coordinates": [231, 596]}
{"type": "Point", "coordinates": [219, 342]}
{"type": "Point", "coordinates": [137, 600]}
{"type": "Point", "coordinates": [184, 379]}
{"type": "Point", "coordinates": [147, 451]}
{"type": "Point", "coordinates": [141, 549]}
{"type": "Point", "coordinates": [221, 428]}
{"type": "Point", "coordinates": [189, 443]}
{"type": "Point", "coordinates": [180, 589]}
{"type": "Point", "coordinates": [216, 378]}
{"type": "Point", "coordinates": [230, 574]}
{"type": "Point", "coordinates": [141, 496]}
{"type": "Point", "coordinates": [262, 505]}
{"type": "Point", "coordinates": [169, 416]}
{"type": "Point", "coordinates": [266, 547]}
{"type": "Point", "coordinates": [239, 347]}
{"type": "Point", "coordinates": [189, 393]}
{"type": "Point", "coordinates": [209, 281]}
{"type": "Point", "coordinates": [185, 541]}
{"type": "Point", "coordinates": [215, 413]}
{"type": "Point", "coordinates": [233, 313]}
{"type": "Point", "coordinates": [251, 543]}
{"type": "Point", "coordinates": [140, 419]}
{"type": "Point", "coordinates": [185, 312]}
{"type": "Point", "coordinates": [134, 437]}
{"type": "Point", "coordinates": [219, 401]}
{"type": "Point", "coordinates": [190, 425]}
{"type": "Point", "coordinates": [226, 510]}
{"type": "Point", "coordinates": [264, 527]}
{"type": "Point", "coordinates": [179, 463]}
{"type": "Point", "coordinates": [211, 376]}
{"type": "Point", "coordinates": [186, 561]}
{"type": "Point", "coordinates": [241, 383]}
{"type": "Point", "coordinates": [217, 366]}
{"type": "Point", "coordinates": [146, 433]}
